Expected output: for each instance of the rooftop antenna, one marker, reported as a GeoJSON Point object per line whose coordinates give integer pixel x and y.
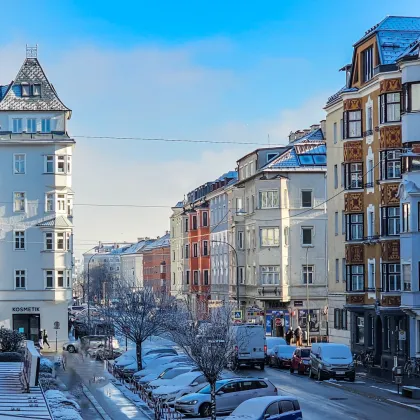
{"type": "Point", "coordinates": [31, 52]}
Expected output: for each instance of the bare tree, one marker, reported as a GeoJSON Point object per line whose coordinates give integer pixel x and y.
{"type": "Point", "coordinates": [138, 314]}
{"type": "Point", "coordinates": [210, 343]}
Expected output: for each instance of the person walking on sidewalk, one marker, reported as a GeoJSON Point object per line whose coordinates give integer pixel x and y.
{"type": "Point", "coordinates": [45, 339]}
{"type": "Point", "coordinates": [289, 336]}
{"type": "Point", "coordinates": [298, 336]}
{"type": "Point", "coordinates": [40, 340]}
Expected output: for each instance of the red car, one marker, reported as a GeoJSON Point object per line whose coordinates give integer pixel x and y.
{"type": "Point", "coordinates": [300, 360]}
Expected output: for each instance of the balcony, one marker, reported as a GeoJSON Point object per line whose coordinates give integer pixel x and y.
{"type": "Point", "coordinates": [272, 292]}
{"type": "Point", "coordinates": [410, 300]}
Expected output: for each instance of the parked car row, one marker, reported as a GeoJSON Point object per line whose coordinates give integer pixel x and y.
{"type": "Point", "coordinates": [321, 361]}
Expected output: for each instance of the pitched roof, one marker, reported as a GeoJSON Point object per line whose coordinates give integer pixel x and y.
{"type": "Point", "coordinates": [57, 222]}
{"type": "Point", "coordinates": [137, 247]}
{"type": "Point", "coordinates": [31, 72]}
{"type": "Point", "coordinates": [162, 242]}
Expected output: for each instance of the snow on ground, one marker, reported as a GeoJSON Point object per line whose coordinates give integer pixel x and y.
{"type": "Point", "coordinates": [62, 408]}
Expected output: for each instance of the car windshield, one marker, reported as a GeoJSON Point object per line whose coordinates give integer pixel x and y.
{"type": "Point", "coordinates": [184, 380]}
{"type": "Point", "coordinates": [286, 351]}
{"type": "Point", "coordinates": [275, 341]}
{"type": "Point", "coordinates": [305, 353]}
{"type": "Point", "coordinates": [336, 352]}
{"type": "Point", "coordinates": [173, 373]}
{"type": "Point", "coordinates": [207, 389]}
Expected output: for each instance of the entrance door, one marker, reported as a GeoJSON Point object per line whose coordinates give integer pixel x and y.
{"type": "Point", "coordinates": [28, 325]}
{"type": "Point", "coordinates": [378, 340]}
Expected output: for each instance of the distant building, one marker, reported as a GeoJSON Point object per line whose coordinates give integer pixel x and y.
{"type": "Point", "coordinates": [36, 204]}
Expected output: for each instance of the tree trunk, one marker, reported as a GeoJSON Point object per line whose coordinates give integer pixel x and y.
{"type": "Point", "coordinates": [213, 400]}
{"type": "Point", "coordinates": [138, 353]}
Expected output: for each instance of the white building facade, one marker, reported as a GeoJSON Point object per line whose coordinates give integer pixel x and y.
{"type": "Point", "coordinates": [36, 202]}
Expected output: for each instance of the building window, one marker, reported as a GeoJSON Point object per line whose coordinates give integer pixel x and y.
{"type": "Point", "coordinates": [307, 236]}
{"type": "Point", "coordinates": [336, 223]}
{"type": "Point", "coordinates": [343, 222]}
{"type": "Point", "coordinates": [194, 223]}
{"type": "Point", "coordinates": [269, 199]}
{"type": "Point", "coordinates": [205, 218]}
{"type": "Point", "coordinates": [406, 217]}
{"type": "Point", "coordinates": [369, 121]}
{"type": "Point", "coordinates": [352, 124]}
{"type": "Point", "coordinates": [337, 319]}
{"type": "Point", "coordinates": [186, 225]}
{"type": "Point", "coordinates": [19, 164]}
{"type": "Point", "coordinates": [187, 251]}
{"type": "Point", "coordinates": [367, 63]}
{"type": "Point", "coordinates": [60, 241]}
{"type": "Point", "coordinates": [371, 275]}
{"type": "Point", "coordinates": [390, 221]}
{"type": "Point", "coordinates": [206, 277]}
{"type": "Point", "coordinates": [49, 202]}
{"type": "Point", "coordinates": [343, 319]}
{"type": "Point", "coordinates": [270, 275]}
{"type": "Point", "coordinates": [26, 89]}
{"type": "Point", "coordinates": [61, 202]}
{"type": "Point", "coordinates": [68, 278]}
{"type": "Point", "coordinates": [49, 279]}
{"type": "Point", "coordinates": [391, 164]}
{"type": "Point", "coordinates": [49, 164]}
{"type": "Point", "coordinates": [69, 207]}
{"type": "Point", "coordinates": [343, 269]}
{"type": "Point", "coordinates": [390, 107]}
{"type": "Point", "coordinates": [353, 175]}
{"type": "Point", "coordinates": [269, 237]}
{"type": "Point", "coordinates": [19, 202]}
{"type": "Point", "coordinates": [20, 279]}
{"type": "Point", "coordinates": [36, 89]}
{"type": "Point", "coordinates": [239, 205]}
{"type": "Point", "coordinates": [337, 270]}
{"type": "Point", "coordinates": [286, 235]}
{"type": "Point", "coordinates": [307, 274]}
{"type": "Point", "coordinates": [411, 94]}
{"type": "Point", "coordinates": [195, 278]}
{"type": "Point", "coordinates": [46, 125]}
{"type": "Point", "coordinates": [360, 330]}
{"type": "Point", "coordinates": [391, 278]}
{"type": "Point", "coordinates": [335, 132]}
{"type": "Point", "coordinates": [60, 278]}
{"type": "Point", "coordinates": [195, 250]}
{"type": "Point", "coordinates": [355, 278]}
{"type": "Point", "coordinates": [369, 174]}
{"type": "Point", "coordinates": [61, 164]}
{"type": "Point", "coordinates": [17, 125]}
{"type": "Point", "coordinates": [31, 125]}
{"type": "Point", "coordinates": [306, 198]}
{"type": "Point", "coordinates": [241, 240]}
{"type": "Point", "coordinates": [241, 275]}
{"type": "Point", "coordinates": [388, 332]}
{"type": "Point", "coordinates": [354, 227]}
{"type": "Point", "coordinates": [68, 243]}
{"type": "Point", "coordinates": [370, 223]}
{"type": "Point", "coordinates": [406, 271]}
{"type": "Point", "coordinates": [49, 241]}
{"type": "Point", "coordinates": [335, 176]}
{"type": "Point", "coordinates": [341, 129]}
{"type": "Point", "coordinates": [187, 277]}
{"type": "Point", "coordinates": [205, 248]}
{"type": "Point", "coordinates": [19, 240]}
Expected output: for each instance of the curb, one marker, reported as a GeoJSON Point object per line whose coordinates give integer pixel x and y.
{"type": "Point", "coordinates": [95, 403]}
{"type": "Point", "coordinates": [374, 397]}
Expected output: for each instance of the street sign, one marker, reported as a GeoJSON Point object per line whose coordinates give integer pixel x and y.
{"type": "Point", "coordinates": [215, 303]}
{"type": "Point", "coordinates": [402, 335]}
{"type": "Point", "coordinates": [278, 322]}
{"type": "Point", "coordinates": [298, 302]}
{"type": "Point", "coordinates": [56, 325]}
{"type": "Point", "coordinates": [237, 314]}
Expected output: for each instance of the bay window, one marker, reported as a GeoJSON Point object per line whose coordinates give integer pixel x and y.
{"type": "Point", "coordinates": [390, 221]}
{"type": "Point", "coordinates": [391, 164]}
{"type": "Point", "coordinates": [352, 124]}
{"type": "Point", "coordinates": [355, 278]}
{"type": "Point", "coordinates": [406, 271]}
{"type": "Point", "coordinates": [269, 199]}
{"type": "Point", "coordinates": [391, 277]}
{"type": "Point", "coordinates": [353, 175]}
{"type": "Point", "coordinates": [270, 274]}
{"type": "Point", "coordinates": [354, 227]}
{"type": "Point", "coordinates": [411, 97]}
{"type": "Point", "coordinates": [390, 107]}
{"type": "Point", "coordinates": [406, 217]}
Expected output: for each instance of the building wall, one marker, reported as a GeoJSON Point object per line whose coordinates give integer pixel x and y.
{"type": "Point", "coordinates": [152, 261]}
{"type": "Point", "coordinates": [179, 265]}
{"type": "Point", "coordinates": [132, 269]}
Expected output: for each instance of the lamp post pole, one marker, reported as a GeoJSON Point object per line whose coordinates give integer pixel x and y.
{"type": "Point", "coordinates": [88, 290]}
{"type": "Point", "coordinates": [307, 297]}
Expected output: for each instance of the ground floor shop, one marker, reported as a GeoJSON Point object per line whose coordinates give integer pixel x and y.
{"type": "Point", "coordinates": [381, 330]}
{"type": "Point", "coordinates": [31, 317]}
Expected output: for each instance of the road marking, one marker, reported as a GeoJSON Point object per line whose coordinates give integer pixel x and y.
{"type": "Point", "coordinates": [385, 389]}
{"type": "Point", "coordinates": [407, 405]}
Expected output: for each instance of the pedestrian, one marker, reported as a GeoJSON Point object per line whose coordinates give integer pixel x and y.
{"type": "Point", "coordinates": [40, 340]}
{"type": "Point", "coordinates": [305, 337]}
{"type": "Point", "coordinates": [289, 336]}
{"type": "Point", "coordinates": [45, 339]}
{"type": "Point", "coordinates": [298, 336]}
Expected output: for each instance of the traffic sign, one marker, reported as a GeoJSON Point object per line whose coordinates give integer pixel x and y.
{"type": "Point", "coordinates": [56, 325]}
{"type": "Point", "coordinates": [237, 314]}
{"type": "Point", "coordinates": [278, 322]}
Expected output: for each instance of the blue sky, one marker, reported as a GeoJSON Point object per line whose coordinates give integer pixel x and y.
{"type": "Point", "coordinates": [224, 71]}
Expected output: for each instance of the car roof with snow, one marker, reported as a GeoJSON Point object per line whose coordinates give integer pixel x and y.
{"type": "Point", "coordinates": [255, 405]}
{"type": "Point", "coordinates": [185, 378]}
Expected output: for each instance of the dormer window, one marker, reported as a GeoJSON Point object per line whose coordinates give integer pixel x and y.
{"type": "Point", "coordinates": [26, 89]}
{"type": "Point", "coordinates": [36, 90]}
{"type": "Point", "coordinates": [271, 156]}
{"type": "Point", "coordinates": [367, 63]}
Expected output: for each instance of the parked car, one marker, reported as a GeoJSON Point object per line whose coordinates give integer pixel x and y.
{"type": "Point", "coordinates": [161, 371]}
{"type": "Point", "coordinates": [271, 342]}
{"type": "Point", "coordinates": [330, 360]}
{"type": "Point", "coordinates": [89, 343]}
{"type": "Point", "coordinates": [154, 370]}
{"type": "Point", "coordinates": [150, 363]}
{"type": "Point", "coordinates": [271, 408]}
{"type": "Point", "coordinates": [161, 350]}
{"type": "Point", "coordinates": [281, 356]}
{"type": "Point", "coordinates": [181, 385]}
{"type": "Point", "coordinates": [251, 345]}
{"type": "Point", "coordinates": [73, 310]}
{"type": "Point", "coordinates": [169, 374]}
{"type": "Point", "coordinates": [229, 394]}
{"type": "Point", "coordinates": [301, 360]}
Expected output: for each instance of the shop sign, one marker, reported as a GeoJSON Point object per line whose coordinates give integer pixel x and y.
{"type": "Point", "coordinates": [26, 309]}
{"type": "Point", "coordinates": [298, 302]}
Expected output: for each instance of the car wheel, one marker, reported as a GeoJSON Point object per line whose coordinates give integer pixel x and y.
{"type": "Point", "coordinates": [205, 410]}
{"type": "Point", "coordinates": [319, 376]}
{"type": "Point", "coordinates": [71, 349]}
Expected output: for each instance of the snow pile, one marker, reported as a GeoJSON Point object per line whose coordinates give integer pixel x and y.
{"type": "Point", "coordinates": [45, 365]}
{"type": "Point", "coordinates": [62, 408]}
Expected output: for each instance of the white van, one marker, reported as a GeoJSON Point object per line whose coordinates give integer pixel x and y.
{"type": "Point", "coordinates": [251, 345]}
{"type": "Point", "coordinates": [330, 360]}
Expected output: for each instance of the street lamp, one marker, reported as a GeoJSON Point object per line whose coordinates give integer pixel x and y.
{"type": "Point", "coordinates": [237, 269]}
{"type": "Point", "coordinates": [307, 296]}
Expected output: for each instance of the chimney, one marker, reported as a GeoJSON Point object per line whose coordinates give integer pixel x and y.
{"type": "Point", "coordinates": [314, 127]}
{"type": "Point", "coordinates": [323, 124]}
{"type": "Point", "coordinates": [306, 131]}
{"type": "Point", "coordinates": [299, 134]}
{"type": "Point", "coordinates": [291, 136]}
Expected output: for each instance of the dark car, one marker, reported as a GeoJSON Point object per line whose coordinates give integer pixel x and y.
{"type": "Point", "coordinates": [271, 342]}
{"type": "Point", "coordinates": [301, 360]}
{"type": "Point", "coordinates": [281, 356]}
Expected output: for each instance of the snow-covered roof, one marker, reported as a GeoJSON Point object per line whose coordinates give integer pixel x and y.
{"type": "Point", "coordinates": [56, 222]}
{"type": "Point", "coordinates": [164, 241]}
{"type": "Point", "coordinates": [137, 247]}
{"type": "Point", "coordinates": [253, 407]}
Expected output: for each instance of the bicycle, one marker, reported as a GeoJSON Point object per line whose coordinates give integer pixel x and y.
{"type": "Point", "coordinates": [412, 367]}
{"type": "Point", "coordinates": [365, 358]}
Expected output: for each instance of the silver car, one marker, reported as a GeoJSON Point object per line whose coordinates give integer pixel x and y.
{"type": "Point", "coordinates": [229, 394]}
